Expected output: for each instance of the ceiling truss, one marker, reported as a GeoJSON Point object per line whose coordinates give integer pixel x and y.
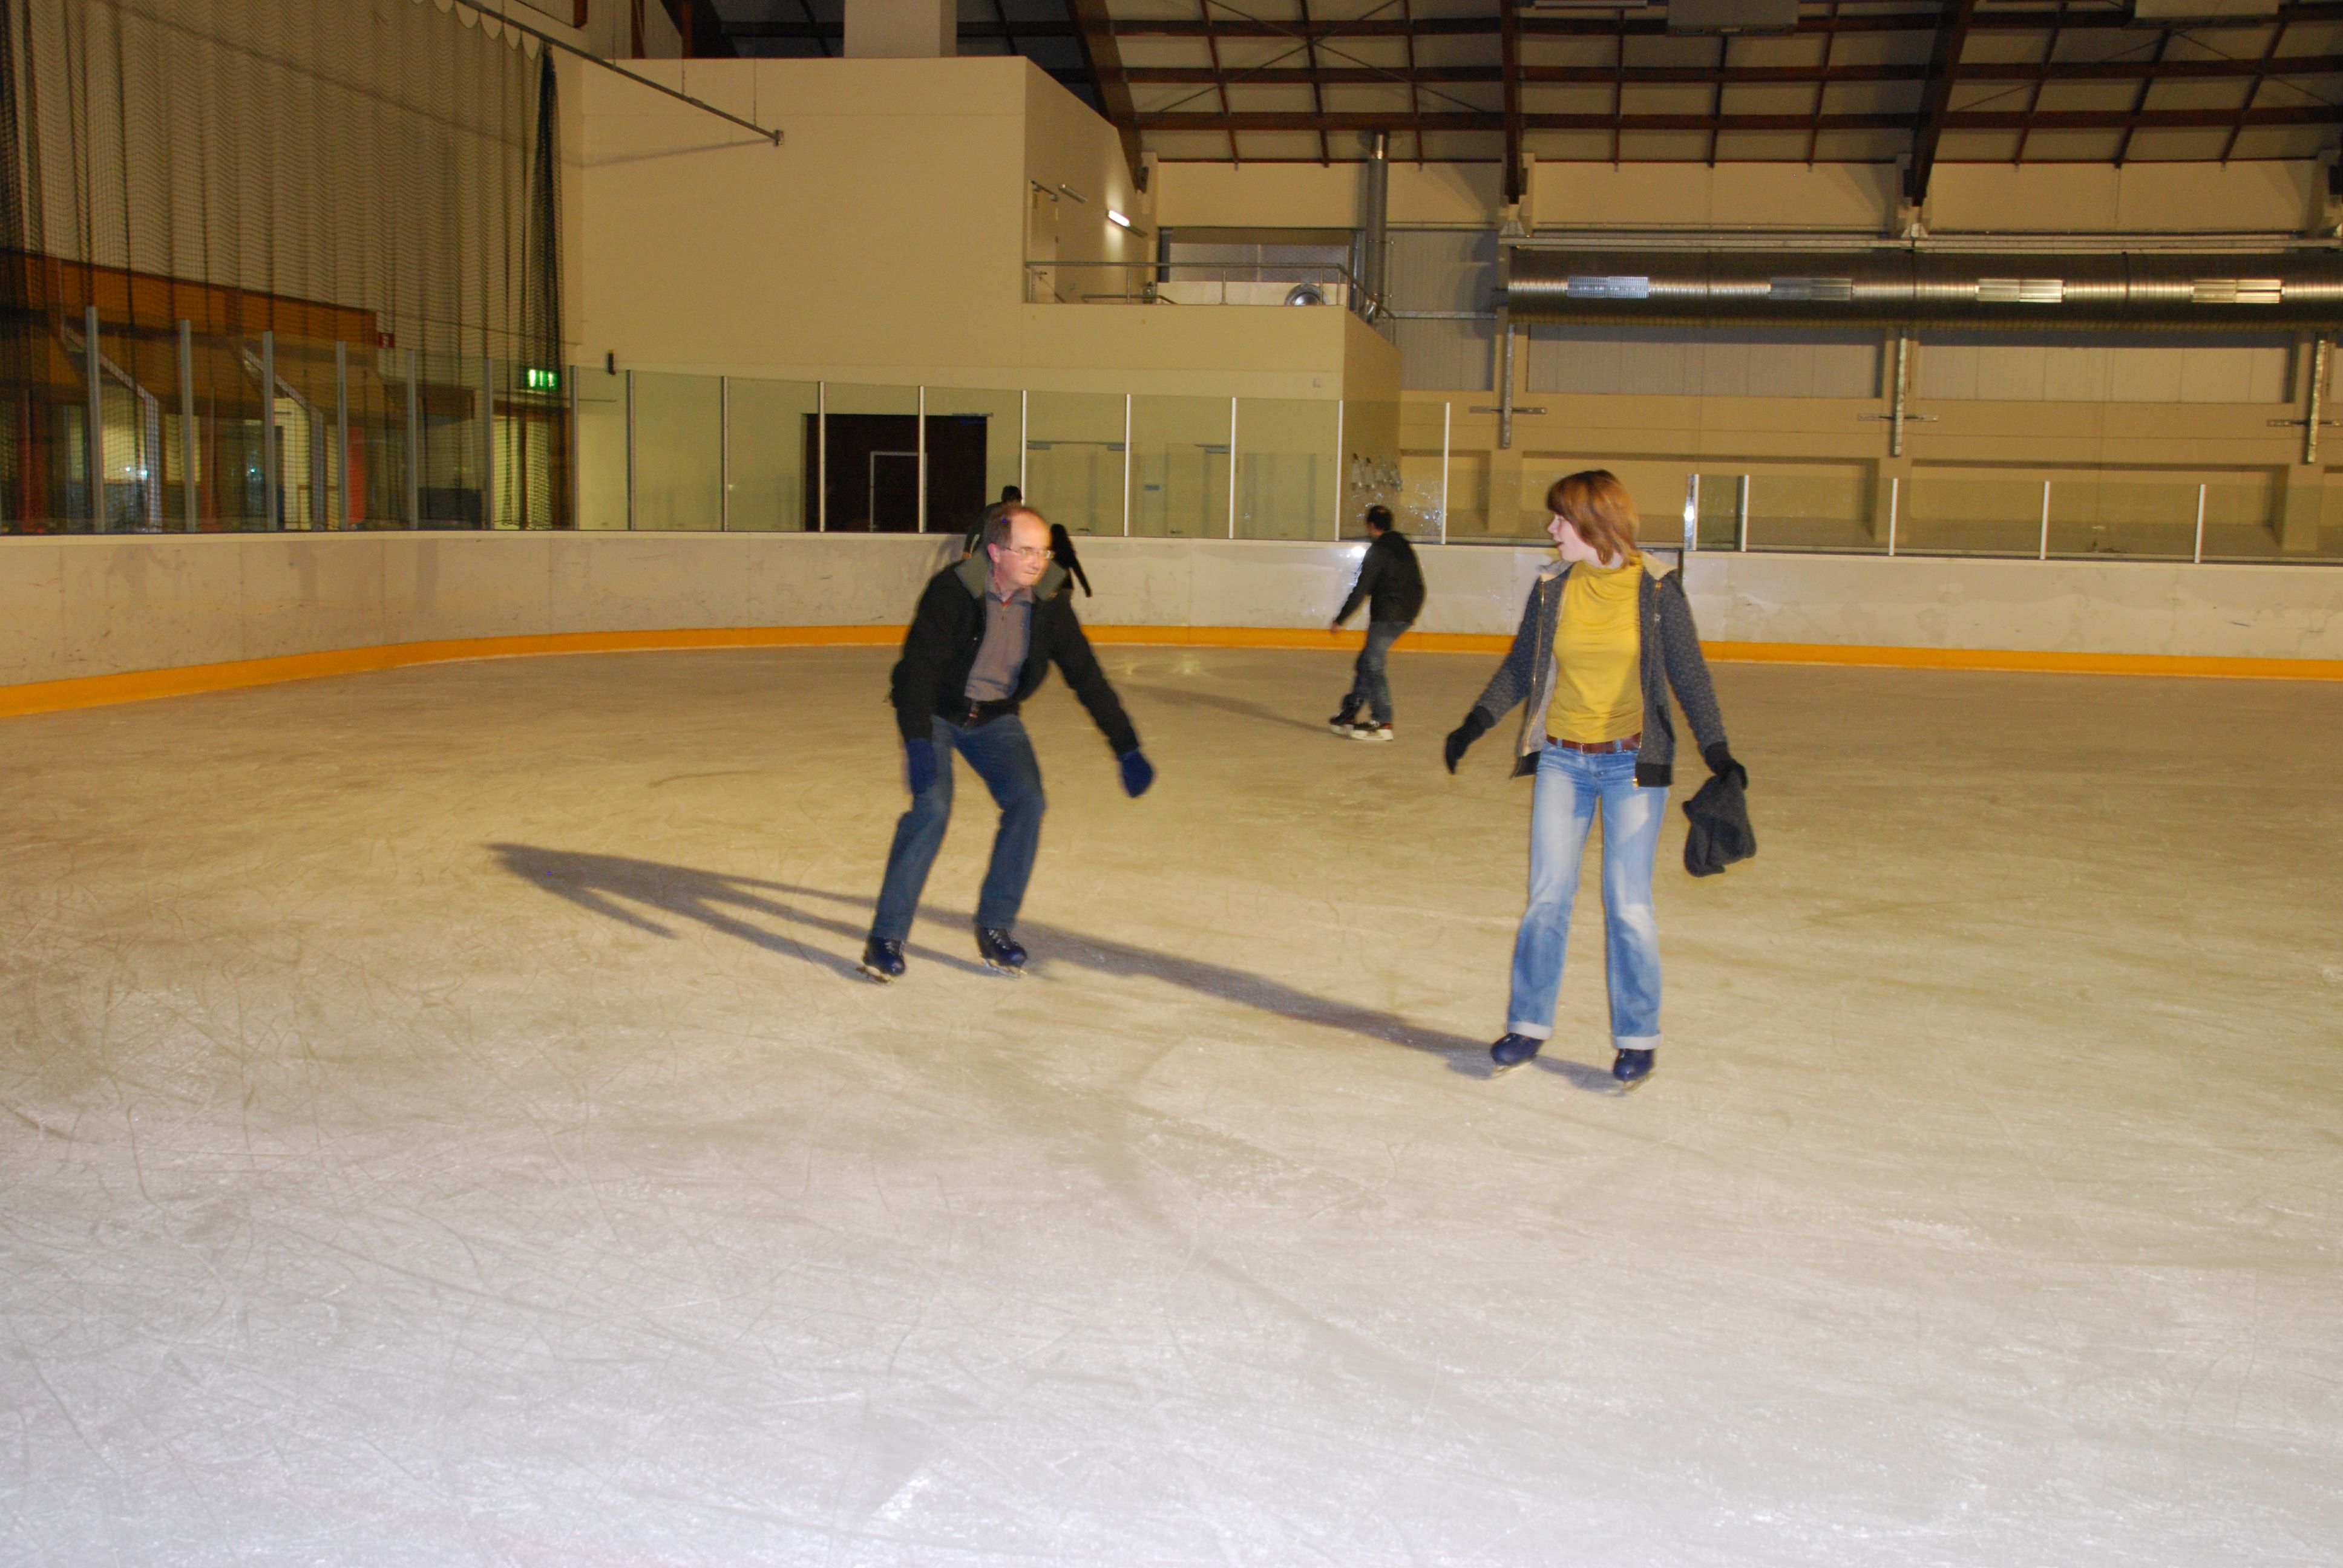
{"type": "Point", "coordinates": [1499, 81]}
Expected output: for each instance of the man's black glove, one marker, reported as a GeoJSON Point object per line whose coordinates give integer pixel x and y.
{"type": "Point", "coordinates": [1475, 724]}
{"type": "Point", "coordinates": [1721, 763]}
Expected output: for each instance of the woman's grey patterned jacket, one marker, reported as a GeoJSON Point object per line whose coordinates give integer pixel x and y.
{"type": "Point", "coordinates": [1672, 657]}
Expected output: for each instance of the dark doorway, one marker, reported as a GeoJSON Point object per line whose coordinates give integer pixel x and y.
{"type": "Point", "coordinates": [872, 466]}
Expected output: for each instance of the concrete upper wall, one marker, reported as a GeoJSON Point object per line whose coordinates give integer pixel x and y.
{"type": "Point", "coordinates": [886, 239]}
{"type": "Point", "coordinates": [2267, 198]}
{"type": "Point", "coordinates": [75, 608]}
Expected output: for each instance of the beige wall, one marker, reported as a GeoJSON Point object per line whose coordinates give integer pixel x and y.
{"type": "Point", "coordinates": [1311, 196]}
{"type": "Point", "coordinates": [2273, 197]}
{"type": "Point", "coordinates": [1073, 152]}
{"type": "Point", "coordinates": [881, 241]}
{"type": "Point", "coordinates": [73, 607]}
{"type": "Point", "coordinates": [886, 239]}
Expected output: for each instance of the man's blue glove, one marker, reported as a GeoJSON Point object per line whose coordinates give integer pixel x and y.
{"type": "Point", "coordinates": [921, 756]}
{"type": "Point", "coordinates": [1137, 774]}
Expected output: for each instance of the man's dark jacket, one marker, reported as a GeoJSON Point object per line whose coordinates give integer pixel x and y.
{"type": "Point", "coordinates": [1389, 580]}
{"type": "Point", "coordinates": [930, 680]}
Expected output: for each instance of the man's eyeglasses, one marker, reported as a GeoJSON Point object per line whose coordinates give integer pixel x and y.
{"type": "Point", "coordinates": [1026, 552]}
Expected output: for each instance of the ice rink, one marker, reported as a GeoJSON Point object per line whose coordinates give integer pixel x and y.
{"type": "Point", "coordinates": [445, 1127]}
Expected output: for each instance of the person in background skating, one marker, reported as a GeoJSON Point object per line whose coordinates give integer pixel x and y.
{"type": "Point", "coordinates": [982, 641]}
{"type": "Point", "coordinates": [1603, 641]}
{"type": "Point", "coordinates": [1061, 550]}
{"type": "Point", "coordinates": [1010, 496]}
{"type": "Point", "coordinates": [1391, 584]}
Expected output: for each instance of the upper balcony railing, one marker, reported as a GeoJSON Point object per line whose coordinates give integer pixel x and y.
{"type": "Point", "coordinates": [1189, 282]}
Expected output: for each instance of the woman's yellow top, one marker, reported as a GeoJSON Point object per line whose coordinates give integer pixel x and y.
{"type": "Point", "coordinates": [1598, 654]}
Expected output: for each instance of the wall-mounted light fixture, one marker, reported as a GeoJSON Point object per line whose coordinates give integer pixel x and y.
{"type": "Point", "coordinates": [1119, 221]}
{"type": "Point", "coordinates": [1073, 193]}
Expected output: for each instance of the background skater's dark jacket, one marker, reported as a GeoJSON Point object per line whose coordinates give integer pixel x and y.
{"type": "Point", "coordinates": [930, 680]}
{"type": "Point", "coordinates": [1389, 580]}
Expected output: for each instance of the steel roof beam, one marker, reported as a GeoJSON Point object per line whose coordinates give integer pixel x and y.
{"type": "Point", "coordinates": [1956, 120]}
{"type": "Point", "coordinates": [1936, 97]}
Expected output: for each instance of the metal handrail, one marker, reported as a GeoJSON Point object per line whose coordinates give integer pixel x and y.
{"type": "Point", "coordinates": [1151, 274]}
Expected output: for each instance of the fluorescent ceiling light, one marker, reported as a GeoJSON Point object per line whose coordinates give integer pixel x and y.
{"type": "Point", "coordinates": [1117, 219]}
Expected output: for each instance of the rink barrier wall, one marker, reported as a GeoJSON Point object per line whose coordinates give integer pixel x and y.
{"type": "Point", "coordinates": [86, 621]}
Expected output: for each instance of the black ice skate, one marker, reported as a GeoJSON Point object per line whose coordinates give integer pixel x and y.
{"type": "Point", "coordinates": [1341, 722]}
{"type": "Point", "coordinates": [1632, 1067]}
{"type": "Point", "coordinates": [882, 962]}
{"type": "Point", "coordinates": [1000, 950]}
{"type": "Point", "coordinates": [1510, 1051]}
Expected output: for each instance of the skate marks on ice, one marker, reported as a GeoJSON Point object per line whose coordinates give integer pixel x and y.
{"type": "Point", "coordinates": [635, 892]}
{"type": "Point", "coordinates": [1180, 696]}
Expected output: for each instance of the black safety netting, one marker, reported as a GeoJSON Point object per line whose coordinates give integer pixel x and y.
{"type": "Point", "coordinates": [277, 264]}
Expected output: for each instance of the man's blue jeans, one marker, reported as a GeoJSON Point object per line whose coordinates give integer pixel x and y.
{"type": "Point", "coordinates": [1569, 785]}
{"type": "Point", "coordinates": [1003, 755]}
{"type": "Point", "coordinates": [1370, 688]}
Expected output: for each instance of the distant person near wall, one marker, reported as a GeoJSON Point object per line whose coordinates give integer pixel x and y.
{"type": "Point", "coordinates": [985, 635]}
{"type": "Point", "coordinates": [1390, 585]}
{"type": "Point", "coordinates": [1010, 496]}
{"type": "Point", "coordinates": [1062, 551]}
{"type": "Point", "coordinates": [1603, 641]}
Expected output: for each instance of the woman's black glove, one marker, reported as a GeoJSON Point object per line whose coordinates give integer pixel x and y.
{"type": "Point", "coordinates": [1475, 724]}
{"type": "Point", "coordinates": [1721, 763]}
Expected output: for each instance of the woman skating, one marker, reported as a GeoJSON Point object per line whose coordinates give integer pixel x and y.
{"type": "Point", "coordinates": [1602, 642]}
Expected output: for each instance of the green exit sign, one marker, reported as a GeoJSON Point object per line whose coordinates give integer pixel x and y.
{"type": "Point", "coordinates": [542, 380]}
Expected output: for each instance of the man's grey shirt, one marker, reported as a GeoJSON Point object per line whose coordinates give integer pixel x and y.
{"type": "Point", "coordinates": [1007, 633]}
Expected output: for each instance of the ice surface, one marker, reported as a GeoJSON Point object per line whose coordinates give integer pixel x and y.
{"type": "Point", "coordinates": [443, 1128]}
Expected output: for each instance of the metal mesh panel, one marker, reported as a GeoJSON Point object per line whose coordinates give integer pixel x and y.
{"type": "Point", "coordinates": [280, 210]}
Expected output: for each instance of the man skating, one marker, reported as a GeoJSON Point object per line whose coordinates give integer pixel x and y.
{"type": "Point", "coordinates": [980, 643]}
{"type": "Point", "coordinates": [1392, 585]}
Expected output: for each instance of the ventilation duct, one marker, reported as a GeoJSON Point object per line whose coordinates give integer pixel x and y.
{"type": "Point", "coordinates": [2225, 290]}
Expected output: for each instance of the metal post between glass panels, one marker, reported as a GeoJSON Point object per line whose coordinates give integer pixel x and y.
{"type": "Point", "coordinates": [1233, 467]}
{"type": "Point", "coordinates": [414, 438]}
{"type": "Point", "coordinates": [342, 433]}
{"type": "Point", "coordinates": [1741, 514]}
{"type": "Point", "coordinates": [630, 451]}
{"type": "Point", "coordinates": [1126, 464]}
{"type": "Point", "coordinates": [488, 443]}
{"type": "Point", "coordinates": [2043, 553]}
{"type": "Point", "coordinates": [920, 451]}
{"type": "Point", "coordinates": [1024, 442]}
{"type": "Point", "coordinates": [269, 477]}
{"type": "Point", "coordinates": [577, 464]}
{"type": "Point", "coordinates": [2196, 557]}
{"type": "Point", "coordinates": [1895, 506]}
{"type": "Point", "coordinates": [1339, 406]}
{"type": "Point", "coordinates": [188, 424]}
{"type": "Point", "coordinates": [1692, 512]}
{"type": "Point", "coordinates": [93, 416]}
{"type": "Point", "coordinates": [821, 456]}
{"type": "Point", "coordinates": [1447, 419]}
{"type": "Point", "coordinates": [724, 453]}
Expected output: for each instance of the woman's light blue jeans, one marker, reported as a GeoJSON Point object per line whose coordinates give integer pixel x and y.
{"type": "Point", "coordinates": [1570, 785]}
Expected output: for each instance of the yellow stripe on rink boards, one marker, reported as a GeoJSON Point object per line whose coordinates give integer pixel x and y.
{"type": "Point", "coordinates": [2042, 662]}
{"type": "Point", "coordinates": [183, 680]}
